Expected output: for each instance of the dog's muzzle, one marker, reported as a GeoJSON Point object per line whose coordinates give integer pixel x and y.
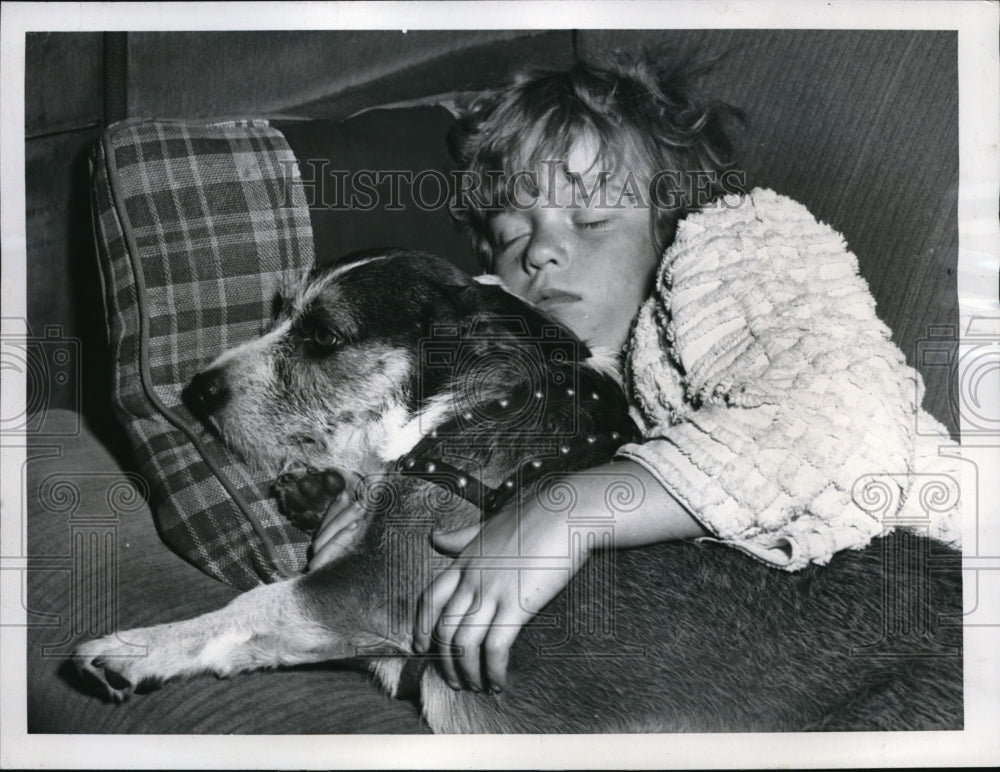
{"type": "Point", "coordinates": [206, 394]}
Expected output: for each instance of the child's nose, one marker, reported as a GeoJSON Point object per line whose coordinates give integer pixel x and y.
{"type": "Point", "coordinates": [545, 251]}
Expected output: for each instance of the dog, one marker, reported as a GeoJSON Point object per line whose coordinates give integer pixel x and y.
{"type": "Point", "coordinates": [453, 398]}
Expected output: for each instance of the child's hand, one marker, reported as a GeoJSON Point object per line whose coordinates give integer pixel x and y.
{"type": "Point", "coordinates": [483, 609]}
{"type": "Point", "coordinates": [476, 613]}
{"type": "Point", "coordinates": [338, 531]}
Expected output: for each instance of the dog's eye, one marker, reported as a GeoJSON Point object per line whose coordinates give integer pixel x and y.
{"type": "Point", "coordinates": [325, 338]}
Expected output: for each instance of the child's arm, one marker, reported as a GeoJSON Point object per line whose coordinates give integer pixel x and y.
{"type": "Point", "coordinates": [481, 611]}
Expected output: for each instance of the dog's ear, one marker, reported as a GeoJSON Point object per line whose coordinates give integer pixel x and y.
{"type": "Point", "coordinates": [446, 304]}
{"type": "Point", "coordinates": [466, 299]}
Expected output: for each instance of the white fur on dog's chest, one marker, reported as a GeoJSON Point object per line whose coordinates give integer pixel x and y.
{"type": "Point", "coordinates": [403, 431]}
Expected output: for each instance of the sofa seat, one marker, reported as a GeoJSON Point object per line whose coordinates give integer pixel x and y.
{"type": "Point", "coordinates": [83, 508]}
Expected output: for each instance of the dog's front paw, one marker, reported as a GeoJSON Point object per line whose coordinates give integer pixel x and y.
{"type": "Point", "coordinates": [113, 665]}
{"type": "Point", "coordinates": [304, 495]}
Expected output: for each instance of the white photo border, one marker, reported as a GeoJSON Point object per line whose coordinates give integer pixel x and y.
{"type": "Point", "coordinates": [979, 266]}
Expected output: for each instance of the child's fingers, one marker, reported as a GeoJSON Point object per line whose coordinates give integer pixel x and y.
{"type": "Point", "coordinates": [349, 517]}
{"type": "Point", "coordinates": [473, 629]}
{"type": "Point", "coordinates": [496, 649]}
{"type": "Point", "coordinates": [453, 614]}
{"type": "Point", "coordinates": [454, 542]}
{"type": "Point", "coordinates": [337, 545]}
{"type": "Point", "coordinates": [337, 532]}
{"type": "Point", "coordinates": [442, 587]}
{"type": "Point", "coordinates": [438, 592]}
{"type": "Point", "coordinates": [340, 512]}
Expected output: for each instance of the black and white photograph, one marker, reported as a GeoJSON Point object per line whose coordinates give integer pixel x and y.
{"type": "Point", "coordinates": [511, 384]}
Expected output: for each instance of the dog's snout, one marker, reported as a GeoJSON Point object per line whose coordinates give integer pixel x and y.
{"type": "Point", "coordinates": [206, 394]}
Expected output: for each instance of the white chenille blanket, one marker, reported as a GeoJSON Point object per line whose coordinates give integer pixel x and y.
{"type": "Point", "coordinates": [776, 407]}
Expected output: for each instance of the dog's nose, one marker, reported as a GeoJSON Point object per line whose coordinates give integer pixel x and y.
{"type": "Point", "coordinates": [206, 393]}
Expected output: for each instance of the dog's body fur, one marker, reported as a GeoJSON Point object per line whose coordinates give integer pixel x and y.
{"type": "Point", "coordinates": [673, 637]}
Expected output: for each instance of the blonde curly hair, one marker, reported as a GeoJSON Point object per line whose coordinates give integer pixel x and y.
{"type": "Point", "coordinates": [645, 117]}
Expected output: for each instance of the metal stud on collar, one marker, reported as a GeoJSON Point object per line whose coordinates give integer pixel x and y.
{"type": "Point", "coordinates": [467, 486]}
{"type": "Point", "coordinates": [461, 483]}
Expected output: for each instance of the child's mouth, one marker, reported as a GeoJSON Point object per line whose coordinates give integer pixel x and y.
{"type": "Point", "coordinates": [554, 298]}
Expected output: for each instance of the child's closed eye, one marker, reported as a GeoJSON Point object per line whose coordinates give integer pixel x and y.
{"type": "Point", "coordinates": [504, 230]}
{"type": "Point", "coordinates": [506, 240]}
{"type": "Point", "coordinates": [591, 225]}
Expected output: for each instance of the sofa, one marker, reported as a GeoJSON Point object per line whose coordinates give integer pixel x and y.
{"type": "Point", "coordinates": [860, 126]}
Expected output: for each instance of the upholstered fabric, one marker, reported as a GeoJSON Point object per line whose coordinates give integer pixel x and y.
{"type": "Point", "coordinates": [199, 228]}
{"type": "Point", "coordinates": [401, 155]}
{"type": "Point", "coordinates": [98, 565]}
{"type": "Point", "coordinates": [860, 126]}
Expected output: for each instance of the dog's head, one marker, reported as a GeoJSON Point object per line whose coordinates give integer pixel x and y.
{"type": "Point", "coordinates": [345, 377]}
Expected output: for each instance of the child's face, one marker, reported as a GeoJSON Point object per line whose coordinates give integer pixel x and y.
{"type": "Point", "coordinates": [590, 267]}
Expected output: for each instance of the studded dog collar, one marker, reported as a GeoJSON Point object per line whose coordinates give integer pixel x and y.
{"type": "Point", "coordinates": [425, 462]}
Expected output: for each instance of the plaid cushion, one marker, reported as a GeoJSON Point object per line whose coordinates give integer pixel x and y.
{"type": "Point", "coordinates": [198, 227]}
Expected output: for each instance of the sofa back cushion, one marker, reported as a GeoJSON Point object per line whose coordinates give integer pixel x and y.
{"type": "Point", "coordinates": [198, 228]}
{"type": "Point", "coordinates": [861, 126]}
{"type": "Point", "coordinates": [379, 179]}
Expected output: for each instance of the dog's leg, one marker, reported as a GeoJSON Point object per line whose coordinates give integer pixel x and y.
{"type": "Point", "coordinates": [265, 627]}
